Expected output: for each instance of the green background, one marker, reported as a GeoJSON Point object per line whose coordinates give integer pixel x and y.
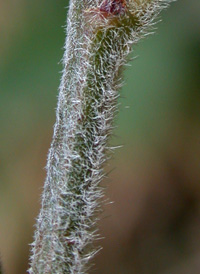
{"type": "Point", "coordinates": [153, 225]}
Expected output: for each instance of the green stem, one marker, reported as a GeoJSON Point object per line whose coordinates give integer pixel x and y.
{"type": "Point", "coordinates": [98, 42]}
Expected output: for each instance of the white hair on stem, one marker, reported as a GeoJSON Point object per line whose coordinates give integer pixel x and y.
{"type": "Point", "coordinates": [100, 35]}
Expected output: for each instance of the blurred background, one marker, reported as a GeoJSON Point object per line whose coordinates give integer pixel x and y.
{"type": "Point", "coordinates": [153, 226]}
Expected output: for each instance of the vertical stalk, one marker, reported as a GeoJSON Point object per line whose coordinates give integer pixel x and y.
{"type": "Point", "coordinates": [100, 35]}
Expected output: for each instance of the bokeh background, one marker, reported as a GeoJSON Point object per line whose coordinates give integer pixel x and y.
{"type": "Point", "coordinates": [153, 226]}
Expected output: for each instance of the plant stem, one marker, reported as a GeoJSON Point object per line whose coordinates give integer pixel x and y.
{"type": "Point", "coordinates": [100, 35]}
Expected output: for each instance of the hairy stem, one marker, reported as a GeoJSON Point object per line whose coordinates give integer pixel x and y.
{"type": "Point", "coordinates": [100, 35]}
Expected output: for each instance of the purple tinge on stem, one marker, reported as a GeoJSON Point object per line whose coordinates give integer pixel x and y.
{"type": "Point", "coordinates": [114, 7]}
